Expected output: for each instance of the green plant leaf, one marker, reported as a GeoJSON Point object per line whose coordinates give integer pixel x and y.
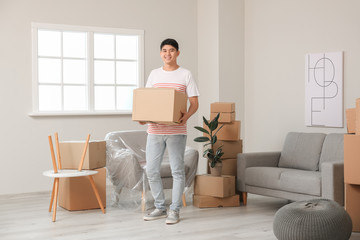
{"type": "Point", "coordinates": [218, 151]}
{"type": "Point", "coordinates": [202, 130]}
{"type": "Point", "coordinates": [210, 150]}
{"type": "Point", "coordinates": [217, 117]}
{"type": "Point", "coordinates": [205, 121]}
{"type": "Point", "coordinates": [219, 129]}
{"type": "Point", "coordinates": [212, 164]}
{"type": "Point", "coordinates": [216, 124]}
{"type": "Point", "coordinates": [213, 139]}
{"type": "Point", "coordinates": [212, 126]}
{"type": "Point", "coordinates": [201, 139]}
{"type": "Point", "coordinates": [206, 151]}
{"type": "Point", "coordinates": [210, 155]}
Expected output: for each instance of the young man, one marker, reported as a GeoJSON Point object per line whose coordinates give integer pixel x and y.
{"type": "Point", "coordinates": [160, 136]}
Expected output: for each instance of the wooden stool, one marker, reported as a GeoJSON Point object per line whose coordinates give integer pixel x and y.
{"type": "Point", "coordinates": [59, 173]}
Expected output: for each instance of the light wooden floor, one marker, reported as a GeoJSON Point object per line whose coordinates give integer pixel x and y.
{"type": "Point", "coordinates": [25, 216]}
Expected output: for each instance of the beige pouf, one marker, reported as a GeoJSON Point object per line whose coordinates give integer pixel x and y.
{"type": "Point", "coordinates": [316, 219]}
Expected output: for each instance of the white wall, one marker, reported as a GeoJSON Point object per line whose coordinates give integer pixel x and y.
{"type": "Point", "coordinates": [220, 57]}
{"type": "Point", "coordinates": [208, 63]}
{"type": "Point", "coordinates": [278, 34]}
{"type": "Point", "coordinates": [231, 55]}
{"type": "Point", "coordinates": [24, 147]}
{"type": "Point", "coordinates": [272, 38]}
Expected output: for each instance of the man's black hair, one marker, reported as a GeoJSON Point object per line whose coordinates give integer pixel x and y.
{"type": "Point", "coordinates": [171, 42]}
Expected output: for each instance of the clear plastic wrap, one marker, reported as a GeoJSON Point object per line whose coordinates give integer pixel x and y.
{"type": "Point", "coordinates": [126, 163]}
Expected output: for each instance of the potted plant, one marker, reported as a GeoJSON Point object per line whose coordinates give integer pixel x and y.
{"type": "Point", "coordinates": [213, 155]}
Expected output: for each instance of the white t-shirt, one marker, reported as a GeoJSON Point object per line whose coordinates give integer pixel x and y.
{"type": "Point", "coordinates": [180, 79]}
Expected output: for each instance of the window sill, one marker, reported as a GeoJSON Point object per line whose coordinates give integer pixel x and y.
{"type": "Point", "coordinates": [69, 114]}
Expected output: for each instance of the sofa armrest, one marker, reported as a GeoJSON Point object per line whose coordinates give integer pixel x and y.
{"type": "Point", "coordinates": [245, 160]}
{"type": "Point", "coordinates": [332, 181]}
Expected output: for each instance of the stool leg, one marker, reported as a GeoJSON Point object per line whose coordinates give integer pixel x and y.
{"type": "Point", "coordinates": [244, 195]}
{"type": "Point", "coordinates": [184, 200]}
{"type": "Point", "coordinates": [52, 196]}
{"type": "Point", "coordinates": [96, 193]}
{"type": "Point", "coordinates": [143, 201]}
{"type": "Point", "coordinates": [55, 198]}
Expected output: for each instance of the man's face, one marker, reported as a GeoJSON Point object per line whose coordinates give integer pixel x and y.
{"type": "Point", "coordinates": [169, 54]}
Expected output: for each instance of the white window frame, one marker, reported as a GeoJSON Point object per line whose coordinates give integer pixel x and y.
{"type": "Point", "coordinates": [90, 66]}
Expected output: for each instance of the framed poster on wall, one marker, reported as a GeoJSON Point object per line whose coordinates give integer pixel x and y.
{"type": "Point", "coordinates": [324, 89]}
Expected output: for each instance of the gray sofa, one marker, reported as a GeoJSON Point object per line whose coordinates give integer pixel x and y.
{"type": "Point", "coordinates": [310, 165]}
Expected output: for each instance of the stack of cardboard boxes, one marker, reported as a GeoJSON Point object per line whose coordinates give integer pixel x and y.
{"type": "Point", "coordinates": [77, 193]}
{"type": "Point", "coordinates": [211, 191]}
{"type": "Point", "coordinates": [228, 137]}
{"type": "Point", "coordinates": [352, 165]}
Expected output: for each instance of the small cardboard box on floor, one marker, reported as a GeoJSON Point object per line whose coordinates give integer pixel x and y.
{"type": "Point", "coordinates": [201, 201]}
{"type": "Point", "coordinates": [77, 194]}
{"type": "Point", "coordinates": [71, 153]}
{"type": "Point", "coordinates": [352, 196]}
{"type": "Point", "coordinates": [160, 105]}
{"type": "Point", "coordinates": [207, 185]}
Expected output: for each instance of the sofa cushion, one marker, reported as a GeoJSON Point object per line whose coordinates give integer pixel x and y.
{"type": "Point", "coordinates": [333, 149]}
{"type": "Point", "coordinates": [302, 151]}
{"type": "Point", "coordinates": [284, 179]}
{"type": "Point", "coordinates": [300, 181]}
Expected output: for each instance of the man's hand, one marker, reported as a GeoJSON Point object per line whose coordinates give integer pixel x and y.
{"type": "Point", "coordinates": [194, 105]}
{"type": "Point", "coordinates": [184, 118]}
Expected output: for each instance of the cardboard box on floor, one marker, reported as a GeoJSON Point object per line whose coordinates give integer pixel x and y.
{"type": "Point", "coordinates": [71, 153]}
{"type": "Point", "coordinates": [351, 120]}
{"type": "Point", "coordinates": [201, 201]}
{"type": "Point", "coordinates": [160, 105]}
{"type": "Point", "coordinates": [351, 159]}
{"type": "Point", "coordinates": [352, 196]}
{"type": "Point", "coordinates": [77, 194]}
{"type": "Point", "coordinates": [224, 117]}
{"type": "Point", "coordinates": [229, 132]}
{"type": "Point", "coordinates": [207, 185]}
{"type": "Point", "coordinates": [226, 107]}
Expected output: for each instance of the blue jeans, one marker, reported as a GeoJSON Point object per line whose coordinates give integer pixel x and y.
{"type": "Point", "coordinates": [155, 148]}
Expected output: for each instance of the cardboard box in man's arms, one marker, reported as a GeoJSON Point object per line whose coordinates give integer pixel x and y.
{"type": "Point", "coordinates": [159, 105]}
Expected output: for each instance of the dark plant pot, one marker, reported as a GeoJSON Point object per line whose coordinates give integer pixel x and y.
{"type": "Point", "coordinates": [216, 171]}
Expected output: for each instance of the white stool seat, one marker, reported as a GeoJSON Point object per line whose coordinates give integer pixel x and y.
{"type": "Point", "coordinates": [69, 173]}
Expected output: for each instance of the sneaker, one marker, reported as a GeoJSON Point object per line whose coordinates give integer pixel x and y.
{"type": "Point", "coordinates": [156, 214]}
{"type": "Point", "coordinates": [173, 217]}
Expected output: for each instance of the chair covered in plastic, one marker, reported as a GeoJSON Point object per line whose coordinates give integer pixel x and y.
{"type": "Point", "coordinates": [126, 164]}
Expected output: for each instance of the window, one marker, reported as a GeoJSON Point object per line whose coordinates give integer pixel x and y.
{"type": "Point", "coordinates": [85, 70]}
